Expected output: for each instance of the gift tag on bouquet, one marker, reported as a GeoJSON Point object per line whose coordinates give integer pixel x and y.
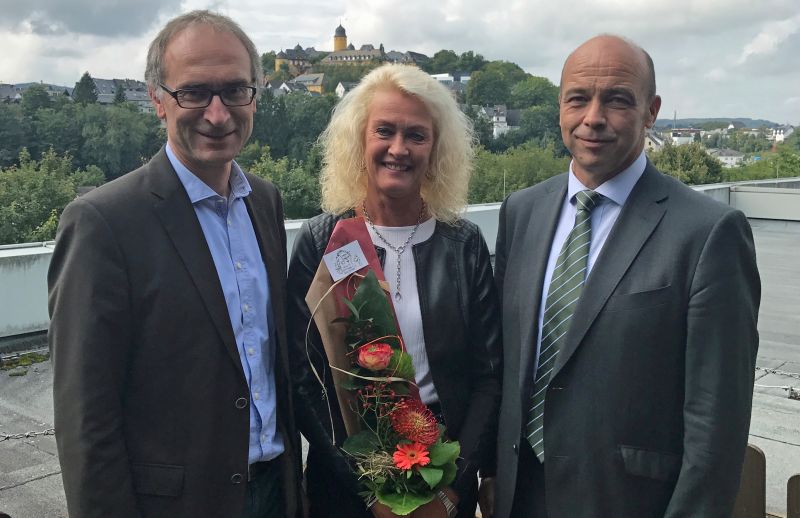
{"type": "Point", "coordinates": [345, 260]}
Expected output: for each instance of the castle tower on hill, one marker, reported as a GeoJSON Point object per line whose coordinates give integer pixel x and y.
{"type": "Point", "coordinates": [339, 39]}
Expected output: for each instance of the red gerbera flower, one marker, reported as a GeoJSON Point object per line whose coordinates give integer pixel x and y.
{"type": "Point", "coordinates": [409, 455]}
{"type": "Point", "coordinates": [414, 421]}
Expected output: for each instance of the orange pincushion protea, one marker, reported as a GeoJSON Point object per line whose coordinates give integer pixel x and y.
{"type": "Point", "coordinates": [414, 421]}
{"type": "Point", "coordinates": [409, 455]}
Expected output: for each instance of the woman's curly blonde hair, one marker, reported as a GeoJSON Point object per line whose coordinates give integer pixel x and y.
{"type": "Point", "coordinates": [445, 185]}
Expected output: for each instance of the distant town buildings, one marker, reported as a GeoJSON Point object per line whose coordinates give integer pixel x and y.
{"type": "Point", "coordinates": [298, 61]}
{"type": "Point", "coordinates": [13, 93]}
{"type": "Point", "coordinates": [685, 136]}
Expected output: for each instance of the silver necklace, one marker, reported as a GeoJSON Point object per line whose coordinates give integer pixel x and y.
{"type": "Point", "coordinates": [397, 249]}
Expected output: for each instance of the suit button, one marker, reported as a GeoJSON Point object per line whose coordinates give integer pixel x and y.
{"type": "Point", "coordinates": [515, 448]}
{"type": "Point", "coordinates": [236, 478]}
{"type": "Point", "coordinates": [241, 403]}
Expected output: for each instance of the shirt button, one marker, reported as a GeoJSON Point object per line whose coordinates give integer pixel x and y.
{"type": "Point", "coordinates": [251, 351]}
{"type": "Point", "coordinates": [229, 221]}
{"type": "Point", "coordinates": [246, 307]}
{"type": "Point", "coordinates": [264, 437]}
{"type": "Point", "coordinates": [241, 403]}
{"type": "Point", "coordinates": [236, 478]}
{"type": "Point", "coordinates": [256, 396]}
{"type": "Point", "coordinates": [238, 265]}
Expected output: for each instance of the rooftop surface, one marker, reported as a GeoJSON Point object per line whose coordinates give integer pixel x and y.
{"type": "Point", "coordinates": [30, 481]}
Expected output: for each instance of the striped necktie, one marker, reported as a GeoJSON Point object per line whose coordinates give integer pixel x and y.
{"type": "Point", "coordinates": [565, 290]}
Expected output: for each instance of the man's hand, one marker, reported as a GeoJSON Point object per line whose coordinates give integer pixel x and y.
{"type": "Point", "coordinates": [486, 497]}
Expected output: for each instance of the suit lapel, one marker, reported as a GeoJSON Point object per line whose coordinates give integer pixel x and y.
{"type": "Point", "coordinates": [175, 211]}
{"type": "Point", "coordinates": [535, 248]}
{"type": "Point", "coordinates": [638, 219]}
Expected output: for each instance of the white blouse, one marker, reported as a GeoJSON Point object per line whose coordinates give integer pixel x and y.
{"type": "Point", "coordinates": [408, 312]}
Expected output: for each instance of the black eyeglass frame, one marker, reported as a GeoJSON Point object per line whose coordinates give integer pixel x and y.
{"type": "Point", "coordinates": [175, 93]}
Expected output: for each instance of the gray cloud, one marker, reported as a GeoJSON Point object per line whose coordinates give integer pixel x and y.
{"type": "Point", "coordinates": [713, 58]}
{"type": "Point", "coordinates": [110, 19]}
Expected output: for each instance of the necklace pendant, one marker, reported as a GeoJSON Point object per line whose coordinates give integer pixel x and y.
{"type": "Point", "coordinates": [397, 296]}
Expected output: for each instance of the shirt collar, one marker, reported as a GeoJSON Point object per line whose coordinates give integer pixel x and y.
{"type": "Point", "coordinates": [198, 190]}
{"type": "Point", "coordinates": [616, 189]}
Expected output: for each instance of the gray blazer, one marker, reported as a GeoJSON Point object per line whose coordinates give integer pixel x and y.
{"type": "Point", "coordinates": [150, 397]}
{"type": "Point", "coordinates": [648, 408]}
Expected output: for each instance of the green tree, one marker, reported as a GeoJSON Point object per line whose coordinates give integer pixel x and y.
{"type": "Point", "coordinates": [689, 163]}
{"type": "Point", "coordinates": [498, 174]}
{"type": "Point", "coordinates": [511, 72]}
{"type": "Point", "coordinates": [334, 74]}
{"type": "Point", "coordinates": [470, 62]}
{"type": "Point", "coordinates": [268, 62]}
{"type": "Point", "coordinates": [14, 133]}
{"type": "Point", "coordinates": [541, 124]}
{"type": "Point", "coordinates": [297, 181]}
{"type": "Point", "coordinates": [34, 98]}
{"type": "Point", "coordinates": [33, 194]}
{"type": "Point", "coordinates": [443, 62]}
{"type": "Point", "coordinates": [117, 139]}
{"type": "Point", "coordinates": [119, 95]}
{"type": "Point", "coordinates": [488, 87]}
{"type": "Point", "coordinates": [534, 91]}
{"type": "Point", "coordinates": [482, 125]}
{"type": "Point", "coordinates": [85, 91]}
{"type": "Point", "coordinates": [308, 116]}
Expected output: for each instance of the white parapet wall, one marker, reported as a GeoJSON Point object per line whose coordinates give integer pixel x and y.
{"type": "Point", "coordinates": [23, 267]}
{"type": "Point", "coordinates": [23, 288]}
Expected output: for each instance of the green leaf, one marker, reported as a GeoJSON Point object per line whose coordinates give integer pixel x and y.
{"type": "Point", "coordinates": [374, 305]}
{"type": "Point", "coordinates": [351, 307]}
{"type": "Point", "coordinates": [405, 503]}
{"type": "Point", "coordinates": [442, 453]}
{"type": "Point", "coordinates": [431, 475]}
{"type": "Point", "coordinates": [450, 470]}
{"type": "Point", "coordinates": [362, 443]}
{"type": "Point", "coordinates": [400, 365]}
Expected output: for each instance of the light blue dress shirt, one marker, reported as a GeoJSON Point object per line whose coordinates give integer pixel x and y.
{"type": "Point", "coordinates": [604, 215]}
{"type": "Point", "coordinates": [242, 274]}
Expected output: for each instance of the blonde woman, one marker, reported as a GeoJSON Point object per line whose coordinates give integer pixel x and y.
{"type": "Point", "coordinates": [398, 152]}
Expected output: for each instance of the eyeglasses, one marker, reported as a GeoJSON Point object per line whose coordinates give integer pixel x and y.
{"type": "Point", "coordinates": [201, 97]}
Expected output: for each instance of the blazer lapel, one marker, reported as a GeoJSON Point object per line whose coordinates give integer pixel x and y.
{"type": "Point", "coordinates": [175, 211]}
{"type": "Point", "coordinates": [638, 219]}
{"type": "Point", "coordinates": [539, 231]}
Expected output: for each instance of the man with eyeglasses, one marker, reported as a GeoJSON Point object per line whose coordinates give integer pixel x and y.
{"type": "Point", "coordinates": [167, 291]}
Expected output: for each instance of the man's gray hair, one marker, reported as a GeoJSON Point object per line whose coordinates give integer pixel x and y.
{"type": "Point", "coordinates": [154, 71]}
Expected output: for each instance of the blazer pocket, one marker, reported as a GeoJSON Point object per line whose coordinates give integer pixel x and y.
{"type": "Point", "coordinates": [638, 300]}
{"type": "Point", "coordinates": [651, 464]}
{"type": "Point", "coordinates": [158, 479]}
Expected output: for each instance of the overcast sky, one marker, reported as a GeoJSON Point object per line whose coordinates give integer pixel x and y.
{"type": "Point", "coordinates": [714, 58]}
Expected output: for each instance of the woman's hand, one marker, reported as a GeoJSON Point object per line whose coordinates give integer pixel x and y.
{"type": "Point", "coordinates": [380, 510]}
{"type": "Point", "coordinates": [435, 508]}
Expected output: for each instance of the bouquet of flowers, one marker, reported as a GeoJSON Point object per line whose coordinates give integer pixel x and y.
{"type": "Point", "coordinates": [401, 454]}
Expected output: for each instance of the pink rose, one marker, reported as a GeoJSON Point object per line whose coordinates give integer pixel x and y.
{"type": "Point", "coordinates": [375, 357]}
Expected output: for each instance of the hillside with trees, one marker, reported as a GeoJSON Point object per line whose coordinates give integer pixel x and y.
{"type": "Point", "coordinates": [52, 146]}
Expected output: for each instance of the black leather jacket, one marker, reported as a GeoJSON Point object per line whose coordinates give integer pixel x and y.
{"type": "Point", "coordinates": [461, 326]}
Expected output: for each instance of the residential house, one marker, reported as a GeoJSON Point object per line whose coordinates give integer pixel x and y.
{"type": "Point", "coordinates": [312, 82]}
{"type": "Point", "coordinates": [343, 87]}
{"type": "Point", "coordinates": [684, 136]}
{"type": "Point", "coordinates": [781, 133]}
{"type": "Point", "coordinates": [652, 141]}
{"type": "Point", "coordinates": [728, 157]}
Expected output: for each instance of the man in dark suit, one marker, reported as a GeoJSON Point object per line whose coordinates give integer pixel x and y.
{"type": "Point", "coordinates": [167, 295]}
{"type": "Point", "coordinates": [629, 319]}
